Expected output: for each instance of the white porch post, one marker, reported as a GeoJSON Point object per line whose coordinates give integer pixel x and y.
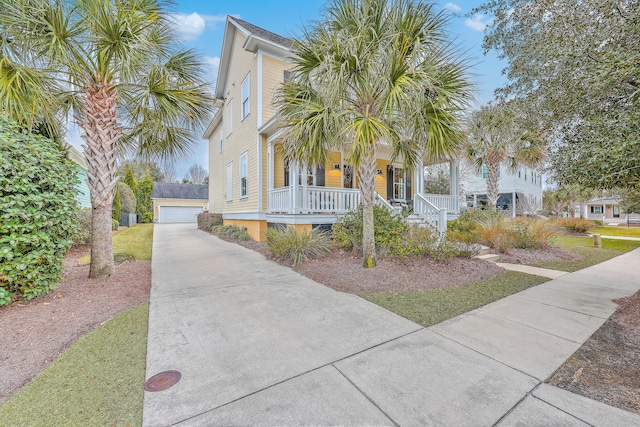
{"type": "Point", "coordinates": [454, 184]}
{"type": "Point", "coordinates": [419, 177]}
{"type": "Point", "coordinates": [341, 169]}
{"type": "Point", "coordinates": [293, 188]}
{"type": "Point", "coordinates": [304, 207]}
{"type": "Point", "coordinates": [475, 200]}
{"type": "Point", "coordinates": [270, 173]}
{"type": "Point", "coordinates": [513, 204]}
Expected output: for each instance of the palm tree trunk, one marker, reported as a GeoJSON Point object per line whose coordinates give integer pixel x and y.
{"type": "Point", "coordinates": [367, 175]}
{"type": "Point", "coordinates": [492, 184]}
{"type": "Point", "coordinates": [101, 133]}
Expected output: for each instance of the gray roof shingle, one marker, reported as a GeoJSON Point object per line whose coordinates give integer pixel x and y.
{"type": "Point", "coordinates": [169, 190]}
{"type": "Point", "coordinates": [264, 34]}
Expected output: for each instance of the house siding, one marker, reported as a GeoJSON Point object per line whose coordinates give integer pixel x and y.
{"type": "Point", "coordinates": [272, 76]}
{"type": "Point", "coordinates": [83, 196]}
{"type": "Point", "coordinates": [216, 172]}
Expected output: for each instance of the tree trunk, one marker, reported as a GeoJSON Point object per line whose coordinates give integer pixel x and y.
{"type": "Point", "coordinates": [101, 244]}
{"type": "Point", "coordinates": [367, 175]}
{"type": "Point", "coordinates": [101, 133]}
{"type": "Point", "coordinates": [492, 184]}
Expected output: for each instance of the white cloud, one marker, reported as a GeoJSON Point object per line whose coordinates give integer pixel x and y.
{"type": "Point", "coordinates": [452, 7]}
{"type": "Point", "coordinates": [478, 23]}
{"type": "Point", "coordinates": [191, 26]}
{"type": "Point", "coordinates": [212, 63]}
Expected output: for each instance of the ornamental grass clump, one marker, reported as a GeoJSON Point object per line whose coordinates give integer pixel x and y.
{"type": "Point", "coordinates": [294, 246]}
{"type": "Point", "coordinates": [232, 232]}
{"type": "Point", "coordinates": [532, 233]}
{"type": "Point", "coordinates": [37, 209]}
{"type": "Point", "coordinates": [577, 225]}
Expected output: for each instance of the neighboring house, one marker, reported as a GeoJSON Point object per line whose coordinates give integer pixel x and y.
{"type": "Point", "coordinates": [252, 186]}
{"type": "Point", "coordinates": [523, 186]}
{"type": "Point", "coordinates": [178, 202]}
{"type": "Point", "coordinates": [84, 199]}
{"type": "Point", "coordinates": [606, 209]}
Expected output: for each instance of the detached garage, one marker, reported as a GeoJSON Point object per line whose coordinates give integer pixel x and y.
{"type": "Point", "coordinates": [174, 203]}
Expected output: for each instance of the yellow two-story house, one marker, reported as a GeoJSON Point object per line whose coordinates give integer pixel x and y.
{"type": "Point", "coordinates": [252, 186]}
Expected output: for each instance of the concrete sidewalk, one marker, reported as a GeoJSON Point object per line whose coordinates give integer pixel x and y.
{"type": "Point", "coordinates": [258, 344]}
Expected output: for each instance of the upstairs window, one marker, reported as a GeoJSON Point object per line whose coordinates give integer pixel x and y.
{"type": "Point", "coordinates": [245, 96]}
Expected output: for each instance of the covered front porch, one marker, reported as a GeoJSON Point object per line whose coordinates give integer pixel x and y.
{"type": "Point", "coordinates": [319, 194]}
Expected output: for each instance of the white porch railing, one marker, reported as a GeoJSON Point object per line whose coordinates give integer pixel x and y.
{"type": "Point", "coordinates": [432, 214]}
{"type": "Point", "coordinates": [443, 201]}
{"type": "Point", "coordinates": [381, 201]}
{"type": "Point", "coordinates": [313, 200]}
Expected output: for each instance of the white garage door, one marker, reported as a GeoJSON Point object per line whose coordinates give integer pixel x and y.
{"type": "Point", "coordinates": [167, 214]}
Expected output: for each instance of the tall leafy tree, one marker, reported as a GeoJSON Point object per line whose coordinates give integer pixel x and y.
{"type": "Point", "coordinates": [496, 137]}
{"type": "Point", "coordinates": [373, 73]}
{"type": "Point", "coordinates": [576, 66]}
{"type": "Point", "coordinates": [116, 65]}
{"type": "Point", "coordinates": [144, 204]}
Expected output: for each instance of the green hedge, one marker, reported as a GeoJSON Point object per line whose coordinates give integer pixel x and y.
{"type": "Point", "coordinates": [37, 209]}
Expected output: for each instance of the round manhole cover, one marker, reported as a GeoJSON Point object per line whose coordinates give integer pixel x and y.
{"type": "Point", "coordinates": [162, 381]}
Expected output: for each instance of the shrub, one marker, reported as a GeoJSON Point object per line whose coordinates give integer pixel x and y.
{"type": "Point", "coordinates": [82, 232]}
{"type": "Point", "coordinates": [116, 206]}
{"type": "Point", "coordinates": [232, 232]}
{"type": "Point", "coordinates": [577, 225]}
{"type": "Point", "coordinates": [389, 230]}
{"type": "Point", "coordinates": [468, 227]}
{"type": "Point", "coordinates": [37, 208]}
{"type": "Point", "coordinates": [291, 245]}
{"type": "Point", "coordinates": [532, 233]}
{"type": "Point", "coordinates": [208, 220]}
{"type": "Point", "coordinates": [115, 224]}
{"type": "Point", "coordinates": [127, 198]}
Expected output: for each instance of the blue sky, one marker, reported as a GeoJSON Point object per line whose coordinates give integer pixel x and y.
{"type": "Point", "coordinates": [201, 25]}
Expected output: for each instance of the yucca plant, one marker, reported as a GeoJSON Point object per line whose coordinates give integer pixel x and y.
{"type": "Point", "coordinates": [294, 246]}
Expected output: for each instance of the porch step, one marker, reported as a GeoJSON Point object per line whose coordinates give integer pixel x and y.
{"type": "Point", "coordinates": [488, 257]}
{"type": "Point", "coordinates": [484, 250]}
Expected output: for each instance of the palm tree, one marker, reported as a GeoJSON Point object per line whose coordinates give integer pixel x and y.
{"type": "Point", "coordinates": [373, 73]}
{"type": "Point", "coordinates": [496, 134]}
{"type": "Point", "coordinates": [116, 66]}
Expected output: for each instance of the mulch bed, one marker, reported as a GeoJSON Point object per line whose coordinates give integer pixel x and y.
{"type": "Point", "coordinates": [534, 256]}
{"type": "Point", "coordinates": [35, 332]}
{"type": "Point", "coordinates": [343, 271]}
{"type": "Point", "coordinates": [607, 366]}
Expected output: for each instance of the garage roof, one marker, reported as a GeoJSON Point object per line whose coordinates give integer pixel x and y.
{"type": "Point", "coordinates": [168, 190]}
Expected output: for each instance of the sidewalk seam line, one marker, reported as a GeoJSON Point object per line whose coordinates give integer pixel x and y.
{"type": "Point", "coordinates": [561, 410]}
{"type": "Point", "coordinates": [366, 396]}
{"type": "Point", "coordinates": [564, 308]}
{"type": "Point", "coordinates": [533, 327]}
{"type": "Point", "coordinates": [297, 375]}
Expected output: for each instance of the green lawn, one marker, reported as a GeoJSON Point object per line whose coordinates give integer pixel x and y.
{"type": "Point", "coordinates": [583, 246]}
{"type": "Point", "coordinates": [430, 307]}
{"type": "Point", "coordinates": [96, 382]}
{"type": "Point", "coordinates": [135, 242]}
{"type": "Point", "coordinates": [130, 243]}
{"type": "Point", "coordinates": [617, 231]}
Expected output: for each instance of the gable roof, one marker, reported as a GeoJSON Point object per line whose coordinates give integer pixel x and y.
{"type": "Point", "coordinates": [264, 34]}
{"type": "Point", "coordinates": [169, 190]}
{"type": "Point", "coordinates": [257, 39]}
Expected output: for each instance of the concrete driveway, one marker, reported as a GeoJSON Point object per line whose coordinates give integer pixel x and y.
{"type": "Point", "coordinates": [258, 344]}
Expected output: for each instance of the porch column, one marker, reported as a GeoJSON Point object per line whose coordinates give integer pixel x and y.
{"type": "Point", "coordinates": [341, 169]}
{"type": "Point", "coordinates": [304, 203]}
{"type": "Point", "coordinates": [293, 188]}
{"type": "Point", "coordinates": [454, 185]}
{"type": "Point", "coordinates": [513, 204]}
{"type": "Point", "coordinates": [270, 173]}
{"type": "Point", "coordinates": [419, 177]}
{"type": "Point", "coordinates": [475, 200]}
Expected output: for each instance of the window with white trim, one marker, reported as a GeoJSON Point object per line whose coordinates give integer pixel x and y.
{"type": "Point", "coordinates": [229, 193]}
{"type": "Point", "coordinates": [485, 172]}
{"type": "Point", "coordinates": [221, 140]}
{"type": "Point", "coordinates": [229, 117]}
{"type": "Point", "coordinates": [243, 175]}
{"type": "Point", "coordinates": [596, 209]}
{"type": "Point", "coordinates": [245, 96]}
